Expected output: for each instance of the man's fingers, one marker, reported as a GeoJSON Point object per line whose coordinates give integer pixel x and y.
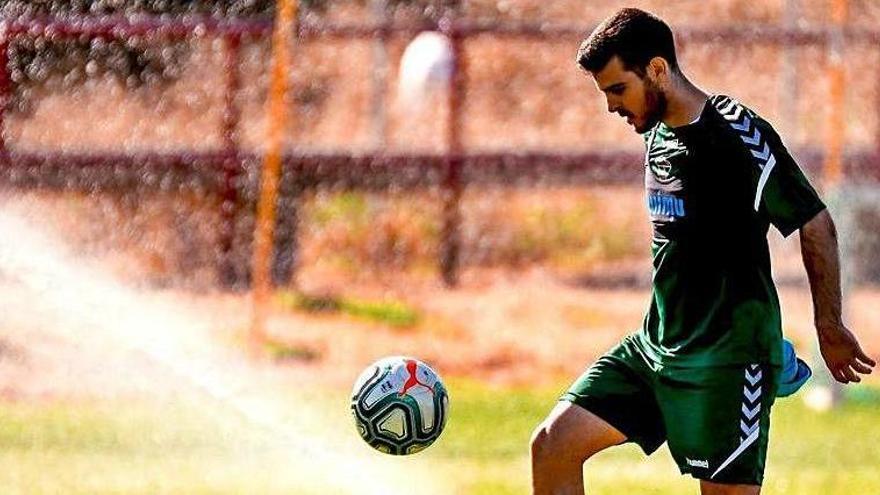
{"type": "Point", "coordinates": [832, 369]}
{"type": "Point", "coordinates": [864, 358]}
{"type": "Point", "coordinates": [838, 376]}
{"type": "Point", "coordinates": [850, 375]}
{"type": "Point", "coordinates": [861, 368]}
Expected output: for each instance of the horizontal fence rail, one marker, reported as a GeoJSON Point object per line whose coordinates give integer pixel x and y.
{"type": "Point", "coordinates": [361, 170]}
{"type": "Point", "coordinates": [185, 26]}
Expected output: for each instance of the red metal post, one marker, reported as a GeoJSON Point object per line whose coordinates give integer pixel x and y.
{"type": "Point", "coordinates": [876, 165]}
{"type": "Point", "coordinates": [378, 114]}
{"type": "Point", "coordinates": [452, 184]}
{"type": "Point", "coordinates": [229, 207]}
{"type": "Point", "coordinates": [5, 89]}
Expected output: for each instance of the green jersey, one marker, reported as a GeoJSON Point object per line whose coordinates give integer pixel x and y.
{"type": "Point", "coordinates": [713, 188]}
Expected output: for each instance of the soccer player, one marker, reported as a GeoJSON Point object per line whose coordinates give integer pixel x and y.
{"type": "Point", "coordinates": [705, 367]}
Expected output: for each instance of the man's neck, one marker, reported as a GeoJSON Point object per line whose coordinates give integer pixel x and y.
{"type": "Point", "coordinates": [684, 103]}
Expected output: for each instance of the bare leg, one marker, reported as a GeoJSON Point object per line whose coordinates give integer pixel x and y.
{"type": "Point", "coordinates": [561, 444]}
{"type": "Point", "coordinates": [709, 488]}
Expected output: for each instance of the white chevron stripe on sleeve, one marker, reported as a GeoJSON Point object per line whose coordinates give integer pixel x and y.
{"type": "Point", "coordinates": [745, 126]}
{"type": "Point", "coordinates": [728, 106]}
{"type": "Point", "coordinates": [733, 117]}
{"type": "Point", "coordinates": [763, 155]}
{"type": "Point", "coordinates": [754, 139]}
{"type": "Point", "coordinates": [765, 175]}
{"type": "Point", "coordinates": [738, 119]}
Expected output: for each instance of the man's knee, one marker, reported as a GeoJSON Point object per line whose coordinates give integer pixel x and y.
{"type": "Point", "coordinates": [541, 443]}
{"type": "Point", "coordinates": [548, 444]}
{"type": "Point", "coordinates": [560, 439]}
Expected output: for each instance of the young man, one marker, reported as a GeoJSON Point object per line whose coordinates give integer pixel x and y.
{"type": "Point", "coordinates": [703, 371]}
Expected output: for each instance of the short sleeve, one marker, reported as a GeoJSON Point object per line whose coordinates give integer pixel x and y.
{"type": "Point", "coordinates": [782, 189]}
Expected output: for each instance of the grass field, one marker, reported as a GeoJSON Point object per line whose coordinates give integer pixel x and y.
{"type": "Point", "coordinates": [150, 448]}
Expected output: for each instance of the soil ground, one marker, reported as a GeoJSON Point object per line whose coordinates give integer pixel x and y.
{"type": "Point", "coordinates": [524, 329]}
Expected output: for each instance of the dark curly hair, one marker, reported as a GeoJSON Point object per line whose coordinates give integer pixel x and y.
{"type": "Point", "coordinates": [633, 35]}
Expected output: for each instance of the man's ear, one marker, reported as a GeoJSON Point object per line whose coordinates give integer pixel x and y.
{"type": "Point", "coordinates": [658, 69]}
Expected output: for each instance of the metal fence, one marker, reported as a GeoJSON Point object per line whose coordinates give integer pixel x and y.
{"type": "Point", "coordinates": [452, 169]}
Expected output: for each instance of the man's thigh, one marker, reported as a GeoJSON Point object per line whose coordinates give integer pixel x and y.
{"type": "Point", "coordinates": [617, 389]}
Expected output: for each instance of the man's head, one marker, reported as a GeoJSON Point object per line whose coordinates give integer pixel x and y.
{"type": "Point", "coordinates": [631, 55]}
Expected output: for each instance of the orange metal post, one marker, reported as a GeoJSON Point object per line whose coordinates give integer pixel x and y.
{"type": "Point", "coordinates": [277, 115]}
{"type": "Point", "coordinates": [836, 134]}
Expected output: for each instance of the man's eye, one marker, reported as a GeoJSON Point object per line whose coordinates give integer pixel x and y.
{"type": "Point", "coordinates": [617, 91]}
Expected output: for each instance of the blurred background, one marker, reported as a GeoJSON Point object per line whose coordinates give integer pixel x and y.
{"type": "Point", "coordinates": [461, 196]}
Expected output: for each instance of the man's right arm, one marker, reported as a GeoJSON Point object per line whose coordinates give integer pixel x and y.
{"type": "Point", "coordinates": [839, 347]}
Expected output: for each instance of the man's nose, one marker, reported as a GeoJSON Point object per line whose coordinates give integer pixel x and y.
{"type": "Point", "coordinates": [613, 106]}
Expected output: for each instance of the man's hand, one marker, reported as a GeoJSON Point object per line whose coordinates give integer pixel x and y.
{"type": "Point", "coordinates": [842, 353]}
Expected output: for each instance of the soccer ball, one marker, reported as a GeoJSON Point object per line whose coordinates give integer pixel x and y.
{"type": "Point", "coordinates": [399, 405]}
{"type": "Point", "coordinates": [425, 68]}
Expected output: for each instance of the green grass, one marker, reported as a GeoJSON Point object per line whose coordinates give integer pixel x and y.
{"type": "Point", "coordinates": [357, 232]}
{"type": "Point", "coordinates": [283, 351]}
{"type": "Point", "coordinates": [389, 312]}
{"type": "Point", "coordinates": [101, 447]}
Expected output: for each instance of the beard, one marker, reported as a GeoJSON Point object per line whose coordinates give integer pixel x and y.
{"type": "Point", "coordinates": [655, 106]}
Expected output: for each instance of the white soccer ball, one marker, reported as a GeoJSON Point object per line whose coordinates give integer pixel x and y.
{"type": "Point", "coordinates": [425, 68]}
{"type": "Point", "coordinates": [399, 405]}
{"type": "Point", "coordinates": [819, 398]}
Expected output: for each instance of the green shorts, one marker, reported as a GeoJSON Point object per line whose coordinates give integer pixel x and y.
{"type": "Point", "coordinates": [716, 420]}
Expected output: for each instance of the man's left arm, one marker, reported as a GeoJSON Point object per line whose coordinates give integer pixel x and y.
{"type": "Point", "coordinates": [840, 349]}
